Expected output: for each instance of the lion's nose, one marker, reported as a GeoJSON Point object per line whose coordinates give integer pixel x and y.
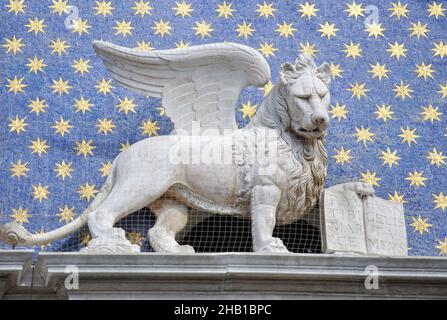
{"type": "Point", "coordinates": [320, 120]}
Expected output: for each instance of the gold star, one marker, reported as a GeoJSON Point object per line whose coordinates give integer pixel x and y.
{"type": "Point", "coordinates": [87, 191]}
{"type": "Point", "coordinates": [144, 46]}
{"type": "Point", "coordinates": [424, 71]}
{"type": "Point", "coordinates": [379, 71]}
{"type": "Point", "coordinates": [162, 28]}
{"type": "Point", "coordinates": [20, 215]}
{"type": "Point", "coordinates": [126, 105]}
{"type": "Point", "coordinates": [225, 10]}
{"type": "Point", "coordinates": [63, 169]}
{"type": "Point", "coordinates": [58, 46]}
{"type": "Point", "coordinates": [285, 30]}
{"type": "Point", "coordinates": [62, 127]}
{"type": "Point", "coordinates": [416, 179]}
{"type": "Point", "coordinates": [59, 6]}
{"type": "Point", "coordinates": [418, 30]}
{"type": "Point", "coordinates": [389, 158]}
{"type": "Point", "coordinates": [183, 9]}
{"type": "Point", "coordinates": [352, 50]}
{"type": "Point", "coordinates": [442, 247]}
{"type": "Point", "coordinates": [181, 44]}
{"type": "Point", "coordinates": [135, 238]}
{"type": "Point", "coordinates": [358, 90]}
{"type": "Point", "coordinates": [342, 156]}
{"type": "Point", "coordinates": [40, 192]}
{"type": "Point", "coordinates": [105, 126]}
{"type": "Point", "coordinates": [105, 169]}
{"type": "Point", "coordinates": [18, 124]}
{"type": "Point", "coordinates": [16, 85]}
{"type": "Point", "coordinates": [396, 50]}
{"type": "Point", "coordinates": [308, 49]}
{"type": "Point", "coordinates": [60, 86]}
{"type": "Point", "coordinates": [364, 135]}
{"type": "Point", "coordinates": [80, 26]}
{"type": "Point", "coordinates": [142, 8]}
{"type": "Point", "coordinates": [19, 169]}
{"type": "Point", "coordinates": [85, 238]}
{"type": "Point", "coordinates": [265, 10]}
{"type": "Point", "coordinates": [203, 29]}
{"type": "Point", "coordinates": [338, 111]}
{"type": "Point", "coordinates": [266, 88]}
{"type": "Point", "coordinates": [36, 64]}
{"type": "Point", "coordinates": [16, 6]}
{"type": "Point", "coordinates": [355, 10]}
{"type": "Point", "coordinates": [443, 90]}
{"type": "Point", "coordinates": [436, 10]}
{"type": "Point", "coordinates": [440, 49]}
{"type": "Point", "coordinates": [83, 105]}
{"type": "Point", "coordinates": [15, 45]}
{"type": "Point", "coordinates": [336, 71]}
{"type": "Point", "coordinates": [408, 135]}
{"type": "Point", "coordinates": [440, 201]}
{"type": "Point", "coordinates": [399, 10]}
{"type": "Point", "coordinates": [39, 146]}
{"type": "Point", "coordinates": [267, 49]}
{"type": "Point", "coordinates": [149, 128]}
{"type": "Point", "coordinates": [308, 10]}
{"type": "Point", "coordinates": [244, 30]}
{"type": "Point", "coordinates": [436, 158]}
{"type": "Point", "coordinates": [123, 28]}
{"type": "Point", "coordinates": [248, 110]}
{"type": "Point", "coordinates": [402, 90]}
{"type": "Point", "coordinates": [35, 26]}
{"type": "Point", "coordinates": [84, 148]}
{"type": "Point", "coordinates": [370, 178]}
{"type": "Point", "coordinates": [328, 30]}
{"type": "Point", "coordinates": [420, 225]}
{"type": "Point", "coordinates": [124, 146]}
{"type": "Point", "coordinates": [66, 214]}
{"type": "Point", "coordinates": [103, 8]}
{"type": "Point", "coordinates": [384, 113]}
{"type": "Point", "coordinates": [374, 30]}
{"type": "Point", "coordinates": [430, 114]}
{"type": "Point", "coordinates": [396, 197]}
{"type": "Point", "coordinates": [104, 86]}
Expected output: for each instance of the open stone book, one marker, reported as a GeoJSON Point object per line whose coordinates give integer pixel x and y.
{"type": "Point", "coordinates": [369, 225]}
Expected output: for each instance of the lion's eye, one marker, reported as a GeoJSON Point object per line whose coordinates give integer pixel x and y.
{"type": "Point", "coordinates": [302, 96]}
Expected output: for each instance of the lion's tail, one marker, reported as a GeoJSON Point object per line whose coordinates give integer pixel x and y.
{"type": "Point", "coordinates": [15, 234]}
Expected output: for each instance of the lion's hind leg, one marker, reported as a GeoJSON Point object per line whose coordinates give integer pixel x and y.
{"type": "Point", "coordinates": [172, 218]}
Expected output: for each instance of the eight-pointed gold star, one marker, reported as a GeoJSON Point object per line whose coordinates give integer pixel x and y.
{"type": "Point", "coordinates": [308, 10]}
{"type": "Point", "coordinates": [265, 10]}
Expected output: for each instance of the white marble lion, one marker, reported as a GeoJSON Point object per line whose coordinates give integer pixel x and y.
{"type": "Point", "coordinates": [201, 85]}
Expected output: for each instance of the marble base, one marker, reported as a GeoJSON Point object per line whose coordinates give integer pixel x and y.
{"type": "Point", "coordinates": [227, 276]}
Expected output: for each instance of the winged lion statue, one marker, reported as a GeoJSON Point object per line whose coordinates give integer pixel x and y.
{"type": "Point", "coordinates": [201, 85]}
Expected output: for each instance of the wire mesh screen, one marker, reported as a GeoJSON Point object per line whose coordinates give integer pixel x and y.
{"type": "Point", "coordinates": [205, 233]}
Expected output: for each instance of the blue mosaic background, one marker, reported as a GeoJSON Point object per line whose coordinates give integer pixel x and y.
{"type": "Point", "coordinates": [38, 194]}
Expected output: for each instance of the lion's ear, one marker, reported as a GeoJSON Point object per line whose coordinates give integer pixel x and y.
{"type": "Point", "coordinates": [324, 72]}
{"type": "Point", "coordinates": [286, 72]}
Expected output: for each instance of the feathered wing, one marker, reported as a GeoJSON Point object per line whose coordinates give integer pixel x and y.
{"type": "Point", "coordinates": [199, 83]}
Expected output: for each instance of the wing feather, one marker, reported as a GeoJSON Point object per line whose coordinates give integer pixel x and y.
{"type": "Point", "coordinates": [200, 83]}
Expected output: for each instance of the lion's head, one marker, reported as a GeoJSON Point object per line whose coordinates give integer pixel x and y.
{"type": "Point", "coordinates": [307, 96]}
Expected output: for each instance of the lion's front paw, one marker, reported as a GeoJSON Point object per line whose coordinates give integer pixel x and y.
{"type": "Point", "coordinates": [361, 188]}
{"type": "Point", "coordinates": [274, 245]}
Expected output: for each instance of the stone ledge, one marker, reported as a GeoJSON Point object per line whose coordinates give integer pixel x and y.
{"type": "Point", "coordinates": [243, 276]}
{"type": "Point", "coordinates": [232, 276]}
{"type": "Point", "coordinates": [13, 265]}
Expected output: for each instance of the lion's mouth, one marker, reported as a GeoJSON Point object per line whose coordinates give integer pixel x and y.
{"type": "Point", "coordinates": [310, 134]}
